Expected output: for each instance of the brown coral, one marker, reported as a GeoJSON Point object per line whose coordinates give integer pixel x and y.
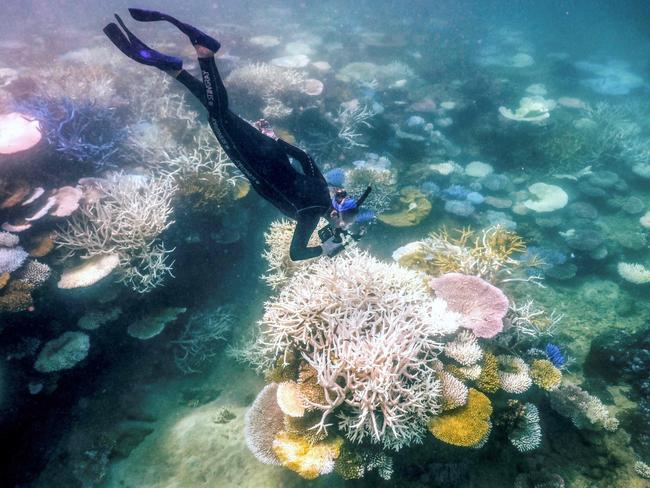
{"type": "Point", "coordinates": [489, 381]}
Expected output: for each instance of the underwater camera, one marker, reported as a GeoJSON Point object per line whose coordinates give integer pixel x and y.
{"type": "Point", "coordinates": [325, 233]}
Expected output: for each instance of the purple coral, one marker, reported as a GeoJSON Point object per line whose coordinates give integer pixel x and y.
{"type": "Point", "coordinates": [481, 305]}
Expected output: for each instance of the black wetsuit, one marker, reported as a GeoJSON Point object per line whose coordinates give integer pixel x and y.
{"type": "Point", "coordinates": [265, 161]}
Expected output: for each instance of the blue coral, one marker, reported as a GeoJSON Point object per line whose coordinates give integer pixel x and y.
{"type": "Point", "coordinates": [456, 192]}
{"type": "Point", "coordinates": [430, 188]}
{"type": "Point", "coordinates": [80, 131]}
{"type": "Point", "coordinates": [555, 355]}
{"type": "Point", "coordinates": [335, 177]}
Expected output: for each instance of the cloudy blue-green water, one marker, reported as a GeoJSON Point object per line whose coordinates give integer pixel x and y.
{"type": "Point", "coordinates": [483, 324]}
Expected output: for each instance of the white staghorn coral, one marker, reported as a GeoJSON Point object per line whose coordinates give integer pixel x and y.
{"type": "Point", "coordinates": [126, 221]}
{"type": "Point", "coordinates": [266, 80]}
{"type": "Point", "coordinates": [381, 327]}
{"type": "Point", "coordinates": [273, 84]}
{"type": "Point", "coordinates": [464, 349]}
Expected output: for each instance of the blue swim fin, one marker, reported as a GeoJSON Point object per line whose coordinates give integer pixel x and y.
{"type": "Point", "coordinates": [137, 50]}
{"type": "Point", "coordinates": [197, 38]}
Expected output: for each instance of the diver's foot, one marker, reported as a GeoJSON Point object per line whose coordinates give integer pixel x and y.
{"type": "Point", "coordinates": [197, 38]}
{"type": "Point", "coordinates": [137, 50]}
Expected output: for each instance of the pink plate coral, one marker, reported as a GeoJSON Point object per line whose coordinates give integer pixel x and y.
{"type": "Point", "coordinates": [482, 306]}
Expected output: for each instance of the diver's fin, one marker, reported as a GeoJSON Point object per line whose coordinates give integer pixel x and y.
{"type": "Point", "coordinates": [197, 38]}
{"type": "Point", "coordinates": [139, 51]}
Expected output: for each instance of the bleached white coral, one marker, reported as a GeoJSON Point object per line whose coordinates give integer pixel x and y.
{"type": "Point", "coordinates": [454, 391]}
{"type": "Point", "coordinates": [585, 410]}
{"type": "Point", "coordinates": [380, 324]}
{"type": "Point", "coordinates": [471, 372]}
{"type": "Point", "coordinates": [127, 220]}
{"type": "Point", "coordinates": [273, 84]}
{"type": "Point", "coordinates": [464, 349]}
{"type": "Point", "coordinates": [514, 374]}
{"type": "Point", "coordinates": [634, 273]}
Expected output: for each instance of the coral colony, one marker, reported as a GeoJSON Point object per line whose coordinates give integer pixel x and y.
{"type": "Point", "coordinates": [363, 358]}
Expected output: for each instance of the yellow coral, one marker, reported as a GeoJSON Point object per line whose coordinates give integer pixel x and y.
{"type": "Point", "coordinates": [545, 375]}
{"type": "Point", "coordinates": [484, 253]}
{"type": "Point", "coordinates": [410, 210]}
{"type": "Point", "coordinates": [4, 279]}
{"type": "Point", "coordinates": [298, 454]}
{"type": "Point", "coordinates": [488, 381]}
{"type": "Point", "coordinates": [465, 426]}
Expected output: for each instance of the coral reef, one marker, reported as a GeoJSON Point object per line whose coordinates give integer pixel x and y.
{"type": "Point", "coordinates": [481, 305]}
{"type": "Point", "coordinates": [545, 375]}
{"type": "Point", "coordinates": [526, 434]}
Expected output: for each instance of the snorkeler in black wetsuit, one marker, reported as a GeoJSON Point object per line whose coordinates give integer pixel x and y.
{"type": "Point", "coordinates": [264, 160]}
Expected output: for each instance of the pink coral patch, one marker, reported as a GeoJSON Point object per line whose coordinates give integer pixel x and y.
{"type": "Point", "coordinates": [481, 305]}
{"type": "Point", "coordinates": [18, 133]}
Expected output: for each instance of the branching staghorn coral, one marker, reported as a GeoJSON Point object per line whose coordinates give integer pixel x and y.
{"type": "Point", "coordinates": [349, 120]}
{"type": "Point", "coordinates": [527, 322]}
{"type": "Point", "coordinates": [127, 220]}
{"type": "Point", "coordinates": [273, 84]}
{"type": "Point", "coordinates": [489, 254]}
{"type": "Point", "coordinates": [370, 331]}
{"type": "Point", "coordinates": [80, 131]}
{"type": "Point", "coordinates": [201, 169]}
{"type": "Point", "coordinates": [200, 337]}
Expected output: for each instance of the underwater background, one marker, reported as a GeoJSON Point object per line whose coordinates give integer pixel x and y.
{"type": "Point", "coordinates": [490, 329]}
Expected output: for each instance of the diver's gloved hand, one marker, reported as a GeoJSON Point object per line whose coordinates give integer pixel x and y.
{"type": "Point", "coordinates": [330, 248]}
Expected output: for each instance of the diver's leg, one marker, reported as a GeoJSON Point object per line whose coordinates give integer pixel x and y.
{"type": "Point", "coordinates": [197, 38]}
{"type": "Point", "coordinates": [216, 97]}
{"type": "Point", "coordinates": [194, 85]}
{"type": "Point", "coordinates": [305, 227]}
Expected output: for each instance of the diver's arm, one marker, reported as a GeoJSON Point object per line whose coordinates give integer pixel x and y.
{"type": "Point", "coordinates": [363, 196]}
{"type": "Point", "coordinates": [306, 162]}
{"type": "Point", "coordinates": [305, 227]}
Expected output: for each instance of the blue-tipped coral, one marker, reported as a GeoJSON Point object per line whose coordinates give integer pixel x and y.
{"type": "Point", "coordinates": [555, 355]}
{"type": "Point", "coordinates": [80, 131]}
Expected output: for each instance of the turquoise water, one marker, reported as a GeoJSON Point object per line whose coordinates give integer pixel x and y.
{"type": "Point", "coordinates": [489, 328]}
